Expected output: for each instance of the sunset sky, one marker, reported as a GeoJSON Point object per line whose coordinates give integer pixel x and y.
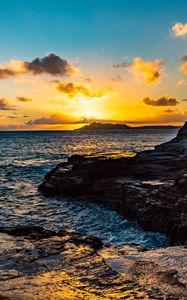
{"type": "Point", "coordinates": [67, 63]}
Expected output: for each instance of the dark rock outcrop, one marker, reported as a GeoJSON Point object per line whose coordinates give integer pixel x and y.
{"type": "Point", "coordinates": [149, 188]}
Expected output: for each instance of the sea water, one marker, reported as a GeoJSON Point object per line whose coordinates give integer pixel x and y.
{"type": "Point", "coordinates": [27, 156]}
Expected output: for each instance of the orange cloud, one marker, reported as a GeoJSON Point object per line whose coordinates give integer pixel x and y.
{"type": "Point", "coordinates": [183, 66]}
{"type": "Point", "coordinates": [179, 29]}
{"type": "Point", "coordinates": [82, 93]}
{"type": "Point", "coordinates": [149, 71]}
{"type": "Point", "coordinates": [51, 64]}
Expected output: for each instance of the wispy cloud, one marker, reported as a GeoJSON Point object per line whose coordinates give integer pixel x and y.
{"type": "Point", "coordinates": [163, 101]}
{"type": "Point", "coordinates": [168, 111]}
{"type": "Point", "coordinates": [160, 118]}
{"type": "Point", "coordinates": [23, 99]}
{"type": "Point", "coordinates": [182, 82]}
{"type": "Point", "coordinates": [179, 29]}
{"type": "Point", "coordinates": [117, 78]}
{"type": "Point", "coordinates": [14, 116]}
{"type": "Point", "coordinates": [51, 64]}
{"type": "Point", "coordinates": [5, 105]}
{"type": "Point", "coordinates": [60, 119]}
{"type": "Point", "coordinates": [175, 117]}
{"type": "Point", "coordinates": [149, 71]}
{"type": "Point", "coordinates": [123, 65]}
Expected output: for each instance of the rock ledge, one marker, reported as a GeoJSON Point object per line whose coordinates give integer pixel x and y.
{"type": "Point", "coordinates": [150, 188]}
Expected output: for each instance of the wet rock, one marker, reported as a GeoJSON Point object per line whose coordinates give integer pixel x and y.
{"type": "Point", "coordinates": [31, 231]}
{"type": "Point", "coordinates": [69, 266]}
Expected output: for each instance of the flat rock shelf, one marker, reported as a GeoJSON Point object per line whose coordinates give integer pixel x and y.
{"type": "Point", "coordinates": [42, 264]}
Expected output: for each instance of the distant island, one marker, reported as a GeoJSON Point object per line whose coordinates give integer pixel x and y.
{"type": "Point", "coordinates": [109, 126]}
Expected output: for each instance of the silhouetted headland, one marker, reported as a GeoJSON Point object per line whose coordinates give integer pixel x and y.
{"type": "Point", "coordinates": [110, 126]}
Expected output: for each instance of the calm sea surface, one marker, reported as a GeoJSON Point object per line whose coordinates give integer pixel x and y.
{"type": "Point", "coordinates": [27, 156]}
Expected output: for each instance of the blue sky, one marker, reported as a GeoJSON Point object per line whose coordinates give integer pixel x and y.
{"type": "Point", "coordinates": [84, 27]}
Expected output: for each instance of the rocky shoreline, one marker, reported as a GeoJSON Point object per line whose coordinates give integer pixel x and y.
{"type": "Point", "coordinates": [41, 264]}
{"type": "Point", "coordinates": [149, 188]}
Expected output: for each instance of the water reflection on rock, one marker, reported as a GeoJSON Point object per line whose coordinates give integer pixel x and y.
{"type": "Point", "coordinates": [41, 264]}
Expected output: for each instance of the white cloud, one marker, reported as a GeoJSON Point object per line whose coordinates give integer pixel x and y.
{"type": "Point", "coordinates": [179, 29]}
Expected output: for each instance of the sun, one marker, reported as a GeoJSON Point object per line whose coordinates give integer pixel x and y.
{"type": "Point", "coordinates": [89, 115]}
{"type": "Point", "coordinates": [90, 111]}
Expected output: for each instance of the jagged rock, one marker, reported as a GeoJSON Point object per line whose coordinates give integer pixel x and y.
{"type": "Point", "coordinates": [149, 188]}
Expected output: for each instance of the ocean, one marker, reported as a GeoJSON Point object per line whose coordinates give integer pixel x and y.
{"type": "Point", "coordinates": [27, 156]}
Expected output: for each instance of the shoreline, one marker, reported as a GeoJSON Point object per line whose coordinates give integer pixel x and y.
{"type": "Point", "coordinates": [149, 188]}
{"type": "Point", "coordinates": [38, 263]}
